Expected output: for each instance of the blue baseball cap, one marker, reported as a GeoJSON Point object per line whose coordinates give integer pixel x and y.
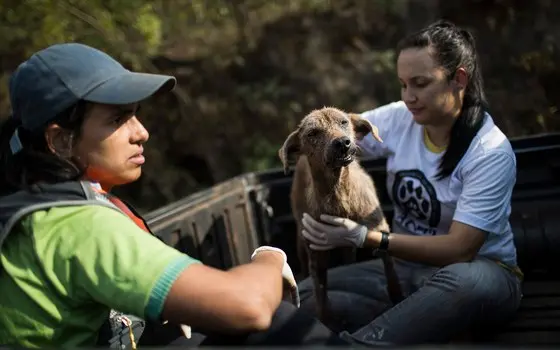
{"type": "Point", "coordinates": [55, 78]}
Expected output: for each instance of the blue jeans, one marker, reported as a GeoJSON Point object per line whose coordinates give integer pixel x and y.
{"type": "Point", "coordinates": [440, 304]}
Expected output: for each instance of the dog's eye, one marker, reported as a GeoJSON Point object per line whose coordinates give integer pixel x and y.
{"type": "Point", "coordinates": [344, 122]}
{"type": "Point", "coordinates": [313, 133]}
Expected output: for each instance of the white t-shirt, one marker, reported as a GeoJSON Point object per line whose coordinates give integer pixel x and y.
{"type": "Point", "coordinates": [477, 193]}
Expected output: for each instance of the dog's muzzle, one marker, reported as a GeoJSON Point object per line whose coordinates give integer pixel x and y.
{"type": "Point", "coordinates": [341, 152]}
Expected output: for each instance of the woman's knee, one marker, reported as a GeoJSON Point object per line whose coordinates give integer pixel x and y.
{"type": "Point", "coordinates": [479, 282]}
{"type": "Point", "coordinates": [292, 326]}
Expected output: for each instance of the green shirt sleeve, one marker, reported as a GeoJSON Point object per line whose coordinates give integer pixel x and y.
{"type": "Point", "coordinates": [120, 265]}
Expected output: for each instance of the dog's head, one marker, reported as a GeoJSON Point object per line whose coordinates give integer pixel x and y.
{"type": "Point", "coordinates": [327, 137]}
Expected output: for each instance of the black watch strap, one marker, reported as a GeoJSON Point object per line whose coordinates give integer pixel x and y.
{"type": "Point", "coordinates": [384, 243]}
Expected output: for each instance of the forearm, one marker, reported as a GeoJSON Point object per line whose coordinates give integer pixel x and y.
{"type": "Point", "coordinates": [262, 279]}
{"type": "Point", "coordinates": [440, 250]}
{"type": "Point", "coordinates": [242, 299]}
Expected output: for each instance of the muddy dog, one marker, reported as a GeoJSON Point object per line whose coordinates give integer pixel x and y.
{"type": "Point", "coordinates": [329, 180]}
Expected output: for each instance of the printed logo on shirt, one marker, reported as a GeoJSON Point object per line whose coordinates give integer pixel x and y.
{"type": "Point", "coordinates": [416, 198]}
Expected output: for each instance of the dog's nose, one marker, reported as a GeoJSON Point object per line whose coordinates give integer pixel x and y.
{"type": "Point", "coordinates": [343, 143]}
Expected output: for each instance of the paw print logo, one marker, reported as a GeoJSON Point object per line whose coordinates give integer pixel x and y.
{"type": "Point", "coordinates": [410, 195]}
{"type": "Point", "coordinates": [416, 197]}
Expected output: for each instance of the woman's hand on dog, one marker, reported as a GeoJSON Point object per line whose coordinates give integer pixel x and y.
{"type": "Point", "coordinates": [332, 232]}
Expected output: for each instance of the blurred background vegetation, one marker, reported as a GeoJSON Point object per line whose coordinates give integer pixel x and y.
{"type": "Point", "coordinates": [248, 70]}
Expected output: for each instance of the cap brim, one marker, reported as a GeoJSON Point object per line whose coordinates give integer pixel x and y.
{"type": "Point", "coordinates": [130, 87]}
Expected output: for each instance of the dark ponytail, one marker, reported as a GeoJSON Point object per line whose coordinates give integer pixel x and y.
{"type": "Point", "coordinates": [454, 48]}
{"type": "Point", "coordinates": [35, 162]}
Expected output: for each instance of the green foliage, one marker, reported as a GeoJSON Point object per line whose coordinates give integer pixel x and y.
{"type": "Point", "coordinates": [122, 28]}
{"type": "Point", "coordinates": [127, 30]}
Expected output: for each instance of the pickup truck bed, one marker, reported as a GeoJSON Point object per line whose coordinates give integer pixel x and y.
{"type": "Point", "coordinates": [222, 225]}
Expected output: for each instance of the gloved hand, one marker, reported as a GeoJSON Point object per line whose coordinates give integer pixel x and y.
{"type": "Point", "coordinates": [333, 232]}
{"type": "Point", "coordinates": [287, 273]}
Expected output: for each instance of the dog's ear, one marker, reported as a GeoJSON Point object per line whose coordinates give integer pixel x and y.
{"type": "Point", "coordinates": [289, 148]}
{"type": "Point", "coordinates": [362, 127]}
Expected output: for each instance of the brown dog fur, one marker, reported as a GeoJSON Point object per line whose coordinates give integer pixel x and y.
{"type": "Point", "coordinates": [325, 184]}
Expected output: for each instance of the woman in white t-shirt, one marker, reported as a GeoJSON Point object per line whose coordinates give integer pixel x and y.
{"type": "Point", "coordinates": [450, 175]}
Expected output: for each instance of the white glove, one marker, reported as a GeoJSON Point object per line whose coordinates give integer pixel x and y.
{"type": "Point", "coordinates": [335, 232]}
{"type": "Point", "coordinates": [287, 273]}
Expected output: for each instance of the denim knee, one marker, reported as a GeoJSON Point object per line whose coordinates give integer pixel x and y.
{"type": "Point", "coordinates": [478, 282]}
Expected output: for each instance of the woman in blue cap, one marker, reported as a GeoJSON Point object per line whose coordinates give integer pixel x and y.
{"type": "Point", "coordinates": [72, 255]}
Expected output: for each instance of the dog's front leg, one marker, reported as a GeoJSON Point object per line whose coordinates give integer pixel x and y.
{"type": "Point", "coordinates": [318, 266]}
{"type": "Point", "coordinates": [303, 256]}
{"type": "Point", "coordinates": [393, 284]}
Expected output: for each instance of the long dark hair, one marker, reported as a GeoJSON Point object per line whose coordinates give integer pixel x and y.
{"type": "Point", "coordinates": [35, 162]}
{"type": "Point", "coordinates": [454, 47]}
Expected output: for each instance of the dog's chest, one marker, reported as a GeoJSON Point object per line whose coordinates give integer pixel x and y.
{"type": "Point", "coordinates": [352, 203]}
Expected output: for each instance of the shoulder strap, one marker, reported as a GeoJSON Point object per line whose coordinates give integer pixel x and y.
{"type": "Point", "coordinates": [46, 205]}
{"type": "Point", "coordinates": [48, 196]}
{"type": "Point", "coordinates": [125, 207]}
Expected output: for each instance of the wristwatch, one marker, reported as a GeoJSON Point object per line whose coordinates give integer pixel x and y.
{"type": "Point", "coordinates": [383, 244]}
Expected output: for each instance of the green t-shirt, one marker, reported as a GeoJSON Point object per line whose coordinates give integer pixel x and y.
{"type": "Point", "coordinates": [63, 269]}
